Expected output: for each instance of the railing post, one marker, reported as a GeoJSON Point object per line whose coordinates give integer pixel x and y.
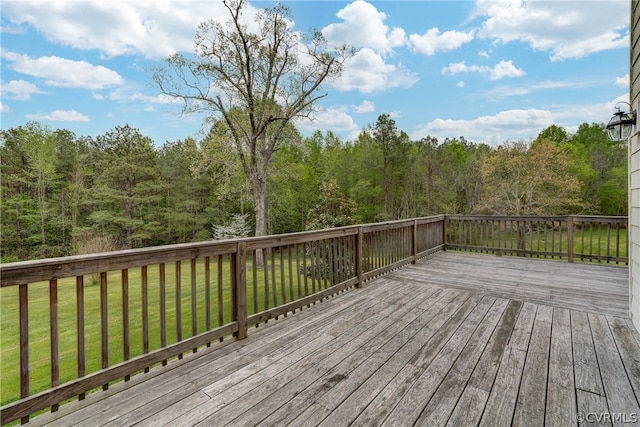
{"type": "Point", "coordinates": [414, 255]}
{"type": "Point", "coordinates": [240, 290]}
{"type": "Point", "coordinates": [358, 258]}
{"type": "Point", "coordinates": [444, 233]}
{"type": "Point", "coordinates": [570, 238]}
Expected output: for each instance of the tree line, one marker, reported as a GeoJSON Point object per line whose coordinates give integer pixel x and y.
{"type": "Point", "coordinates": [63, 194]}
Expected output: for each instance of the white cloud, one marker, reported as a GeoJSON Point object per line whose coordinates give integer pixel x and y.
{"type": "Point", "coordinates": [152, 28]}
{"type": "Point", "coordinates": [623, 81]}
{"type": "Point", "coordinates": [501, 127]}
{"type": "Point", "coordinates": [126, 94]}
{"type": "Point", "coordinates": [598, 112]}
{"type": "Point", "coordinates": [363, 26]}
{"type": "Point", "coordinates": [20, 90]}
{"type": "Point", "coordinates": [505, 69]}
{"type": "Point", "coordinates": [368, 72]}
{"type": "Point", "coordinates": [63, 72]}
{"type": "Point", "coordinates": [60, 116]}
{"type": "Point", "coordinates": [460, 67]}
{"type": "Point", "coordinates": [499, 71]}
{"type": "Point", "coordinates": [330, 119]}
{"type": "Point", "coordinates": [4, 108]}
{"type": "Point", "coordinates": [433, 41]}
{"type": "Point", "coordinates": [484, 54]}
{"type": "Point", "coordinates": [506, 91]}
{"type": "Point", "coordinates": [365, 107]}
{"type": "Point", "coordinates": [460, 84]}
{"type": "Point", "coordinates": [565, 29]}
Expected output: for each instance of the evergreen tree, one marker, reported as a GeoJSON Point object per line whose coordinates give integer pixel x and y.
{"type": "Point", "coordinates": [127, 187]}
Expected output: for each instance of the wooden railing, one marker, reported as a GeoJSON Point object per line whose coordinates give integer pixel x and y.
{"type": "Point", "coordinates": [77, 324]}
{"type": "Point", "coordinates": [574, 238]}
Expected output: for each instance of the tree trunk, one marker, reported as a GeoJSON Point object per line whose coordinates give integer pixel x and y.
{"type": "Point", "coordinates": [259, 191]}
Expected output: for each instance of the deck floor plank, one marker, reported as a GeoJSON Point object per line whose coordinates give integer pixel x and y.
{"type": "Point", "coordinates": [367, 333]}
{"type": "Point", "coordinates": [441, 405]}
{"type": "Point", "coordinates": [441, 310]}
{"type": "Point", "coordinates": [561, 396]}
{"type": "Point", "coordinates": [412, 404]}
{"type": "Point", "coordinates": [627, 345]}
{"type": "Point", "coordinates": [620, 396]}
{"type": "Point", "coordinates": [530, 405]}
{"type": "Point", "coordinates": [456, 339]}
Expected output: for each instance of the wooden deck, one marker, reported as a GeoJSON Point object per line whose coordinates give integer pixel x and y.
{"type": "Point", "coordinates": [458, 339]}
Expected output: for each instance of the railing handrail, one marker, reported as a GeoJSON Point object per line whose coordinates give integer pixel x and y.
{"type": "Point", "coordinates": [19, 272]}
{"type": "Point", "coordinates": [595, 218]}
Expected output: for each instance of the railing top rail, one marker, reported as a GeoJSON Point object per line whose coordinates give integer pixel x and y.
{"type": "Point", "coordinates": [21, 272]}
{"type": "Point", "coordinates": [600, 219]}
{"type": "Point", "coordinates": [506, 217]}
{"type": "Point", "coordinates": [585, 218]}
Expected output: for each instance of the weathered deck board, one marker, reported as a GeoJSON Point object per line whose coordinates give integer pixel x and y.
{"type": "Point", "coordinates": [457, 339]}
{"type": "Point", "coordinates": [581, 286]}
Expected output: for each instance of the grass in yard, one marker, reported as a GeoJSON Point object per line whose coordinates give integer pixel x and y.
{"type": "Point", "coordinates": [283, 286]}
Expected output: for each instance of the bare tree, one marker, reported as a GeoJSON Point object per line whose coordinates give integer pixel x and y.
{"type": "Point", "coordinates": [255, 81]}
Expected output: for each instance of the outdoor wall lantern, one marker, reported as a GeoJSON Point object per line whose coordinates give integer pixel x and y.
{"type": "Point", "coordinates": [621, 124]}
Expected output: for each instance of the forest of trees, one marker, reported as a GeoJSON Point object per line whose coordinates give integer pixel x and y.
{"type": "Point", "coordinates": [63, 194]}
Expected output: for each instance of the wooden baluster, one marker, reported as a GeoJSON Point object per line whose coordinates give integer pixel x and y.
{"type": "Point", "coordinates": [80, 329]}
{"type": "Point", "coordinates": [23, 300]}
{"type": "Point", "coordinates": [104, 324]}
{"type": "Point", "coordinates": [290, 264]}
{"type": "Point", "coordinates": [144, 291]}
{"type": "Point", "coordinates": [265, 270]}
{"type": "Point", "coordinates": [305, 269]}
{"type": "Point", "coordinates": [283, 288]}
{"type": "Point", "coordinates": [239, 285]}
{"type": "Point", "coordinates": [254, 266]}
{"type": "Point", "coordinates": [207, 295]}
{"type": "Point", "coordinates": [125, 316]}
{"type": "Point", "coordinates": [178, 305]}
{"type": "Point", "coordinates": [274, 284]}
{"type": "Point", "coordinates": [163, 308]}
{"type": "Point", "coordinates": [194, 302]}
{"type": "Point", "coordinates": [220, 290]}
{"type": "Point", "coordinates": [53, 336]}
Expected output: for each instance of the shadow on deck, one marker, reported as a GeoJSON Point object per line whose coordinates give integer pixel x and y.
{"type": "Point", "coordinates": [457, 339]}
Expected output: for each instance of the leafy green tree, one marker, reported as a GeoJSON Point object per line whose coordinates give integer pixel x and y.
{"type": "Point", "coordinates": [186, 191]}
{"type": "Point", "coordinates": [459, 183]}
{"type": "Point", "coordinates": [554, 133]}
{"type": "Point", "coordinates": [127, 187]}
{"type": "Point", "coordinates": [71, 191]}
{"type": "Point", "coordinates": [334, 209]}
{"type": "Point", "coordinates": [18, 204]}
{"type": "Point", "coordinates": [394, 145]}
{"type": "Point", "coordinates": [601, 167]}
{"type": "Point", "coordinates": [29, 178]}
{"type": "Point", "coordinates": [535, 179]}
{"type": "Point", "coordinates": [356, 168]}
{"type": "Point", "coordinates": [428, 168]}
{"type": "Point", "coordinates": [256, 82]}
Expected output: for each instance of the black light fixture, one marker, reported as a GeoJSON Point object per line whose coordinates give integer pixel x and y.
{"type": "Point", "coordinates": [621, 124]}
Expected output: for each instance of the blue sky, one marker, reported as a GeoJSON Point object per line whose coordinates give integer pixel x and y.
{"type": "Point", "coordinates": [488, 70]}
